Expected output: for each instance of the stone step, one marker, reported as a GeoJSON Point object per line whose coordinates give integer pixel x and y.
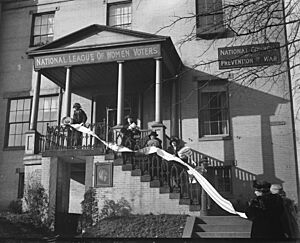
{"type": "Point", "coordinates": [223, 228]}
{"type": "Point", "coordinates": [222, 220]}
{"type": "Point", "coordinates": [242, 235]}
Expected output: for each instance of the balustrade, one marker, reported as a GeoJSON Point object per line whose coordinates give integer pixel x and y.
{"type": "Point", "coordinates": [169, 175]}
{"type": "Point", "coordinates": [65, 137]}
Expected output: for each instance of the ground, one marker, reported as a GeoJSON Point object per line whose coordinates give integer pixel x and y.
{"type": "Point", "coordinates": [136, 226]}
{"type": "Point", "coordinates": [140, 226]}
{"type": "Point", "coordinates": [18, 226]}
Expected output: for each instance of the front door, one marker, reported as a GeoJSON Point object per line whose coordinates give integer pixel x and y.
{"type": "Point", "coordinates": [111, 121]}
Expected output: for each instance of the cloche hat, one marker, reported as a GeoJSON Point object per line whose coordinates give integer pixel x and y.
{"type": "Point", "coordinates": [153, 133]}
{"type": "Point", "coordinates": [262, 186]}
{"type": "Point", "coordinates": [77, 105]}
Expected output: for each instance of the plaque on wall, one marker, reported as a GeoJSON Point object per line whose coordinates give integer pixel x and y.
{"type": "Point", "coordinates": [103, 175]}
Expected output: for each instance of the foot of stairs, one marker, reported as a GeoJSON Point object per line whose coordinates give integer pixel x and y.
{"type": "Point", "coordinates": [221, 227]}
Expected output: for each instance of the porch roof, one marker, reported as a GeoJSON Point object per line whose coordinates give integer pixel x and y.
{"type": "Point", "coordinates": [89, 53]}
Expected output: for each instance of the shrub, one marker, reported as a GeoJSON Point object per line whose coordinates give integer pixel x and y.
{"type": "Point", "coordinates": [90, 211]}
{"type": "Point", "coordinates": [112, 208]}
{"type": "Point", "coordinates": [38, 206]}
{"type": "Point", "coordinates": [15, 206]}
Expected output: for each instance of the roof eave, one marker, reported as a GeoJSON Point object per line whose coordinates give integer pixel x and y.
{"type": "Point", "coordinates": [35, 52]}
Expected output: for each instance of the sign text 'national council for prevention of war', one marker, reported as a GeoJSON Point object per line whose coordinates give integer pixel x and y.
{"type": "Point", "coordinates": [97, 56]}
{"type": "Point", "coordinates": [249, 55]}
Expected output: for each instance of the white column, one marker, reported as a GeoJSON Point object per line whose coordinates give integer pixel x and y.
{"type": "Point", "coordinates": [67, 109]}
{"type": "Point", "coordinates": [174, 107]}
{"type": "Point", "coordinates": [140, 111]}
{"type": "Point", "coordinates": [120, 107]}
{"type": "Point", "coordinates": [60, 98]}
{"type": "Point", "coordinates": [35, 102]}
{"type": "Point", "coordinates": [93, 119]}
{"type": "Point", "coordinates": [158, 79]}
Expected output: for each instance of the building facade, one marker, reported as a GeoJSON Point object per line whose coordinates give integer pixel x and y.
{"type": "Point", "coordinates": [129, 57]}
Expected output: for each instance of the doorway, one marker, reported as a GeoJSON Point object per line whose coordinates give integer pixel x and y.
{"type": "Point", "coordinates": [111, 120]}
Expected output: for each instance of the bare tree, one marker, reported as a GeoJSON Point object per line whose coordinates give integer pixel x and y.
{"type": "Point", "coordinates": [249, 22]}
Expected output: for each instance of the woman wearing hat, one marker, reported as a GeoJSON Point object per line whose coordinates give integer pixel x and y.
{"type": "Point", "coordinates": [265, 211]}
{"type": "Point", "coordinates": [79, 117]}
{"type": "Point", "coordinates": [289, 217]}
{"type": "Point", "coordinates": [174, 146]}
{"type": "Point", "coordinates": [153, 140]}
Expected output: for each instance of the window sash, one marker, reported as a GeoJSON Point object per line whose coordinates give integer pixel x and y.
{"type": "Point", "coordinates": [43, 29]}
{"type": "Point", "coordinates": [18, 121]}
{"type": "Point", "coordinates": [47, 113]}
{"type": "Point", "coordinates": [120, 15]}
{"type": "Point", "coordinates": [209, 15]}
{"type": "Point", "coordinates": [19, 118]}
{"type": "Point", "coordinates": [213, 114]}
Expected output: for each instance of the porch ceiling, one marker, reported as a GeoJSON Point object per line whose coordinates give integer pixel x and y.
{"type": "Point", "coordinates": [96, 79]}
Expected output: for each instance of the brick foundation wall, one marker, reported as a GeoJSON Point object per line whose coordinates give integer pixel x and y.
{"type": "Point", "coordinates": [141, 197]}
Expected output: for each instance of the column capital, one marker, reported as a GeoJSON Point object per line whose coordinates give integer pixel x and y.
{"type": "Point", "coordinates": [158, 58]}
{"type": "Point", "coordinates": [121, 61]}
{"type": "Point", "coordinates": [69, 66]}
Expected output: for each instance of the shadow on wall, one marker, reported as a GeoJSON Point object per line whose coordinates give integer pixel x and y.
{"type": "Point", "coordinates": [251, 102]}
{"type": "Point", "coordinates": [244, 102]}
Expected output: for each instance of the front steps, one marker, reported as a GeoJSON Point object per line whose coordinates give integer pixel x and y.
{"type": "Point", "coordinates": [158, 200]}
{"type": "Point", "coordinates": [221, 227]}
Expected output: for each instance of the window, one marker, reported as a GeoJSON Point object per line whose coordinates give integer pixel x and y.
{"type": "Point", "coordinates": [209, 18]}
{"type": "Point", "coordinates": [42, 29]}
{"type": "Point", "coordinates": [119, 15]}
{"type": "Point", "coordinates": [221, 178]}
{"type": "Point", "coordinates": [18, 122]}
{"type": "Point", "coordinates": [213, 113]}
{"type": "Point", "coordinates": [21, 185]}
{"type": "Point", "coordinates": [48, 107]}
{"type": "Point", "coordinates": [19, 118]}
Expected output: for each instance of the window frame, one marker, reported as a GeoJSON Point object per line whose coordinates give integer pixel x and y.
{"type": "Point", "coordinates": [108, 14]}
{"type": "Point", "coordinates": [57, 109]}
{"type": "Point", "coordinates": [32, 36]}
{"type": "Point", "coordinates": [210, 33]}
{"type": "Point", "coordinates": [7, 126]}
{"type": "Point", "coordinates": [21, 184]}
{"type": "Point", "coordinates": [8, 123]}
{"type": "Point", "coordinates": [213, 88]}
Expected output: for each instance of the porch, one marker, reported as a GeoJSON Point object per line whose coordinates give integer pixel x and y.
{"type": "Point", "coordinates": [108, 74]}
{"type": "Point", "coordinates": [117, 77]}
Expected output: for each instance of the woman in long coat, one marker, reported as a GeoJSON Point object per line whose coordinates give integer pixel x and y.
{"type": "Point", "coordinates": [265, 211]}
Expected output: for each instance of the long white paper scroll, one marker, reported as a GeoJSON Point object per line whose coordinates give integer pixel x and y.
{"type": "Point", "coordinates": [210, 190]}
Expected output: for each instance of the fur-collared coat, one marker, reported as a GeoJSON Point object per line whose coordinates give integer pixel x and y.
{"type": "Point", "coordinates": [265, 212]}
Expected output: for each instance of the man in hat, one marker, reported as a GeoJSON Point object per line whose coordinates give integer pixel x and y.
{"type": "Point", "coordinates": [153, 140]}
{"type": "Point", "coordinates": [265, 211]}
{"type": "Point", "coordinates": [79, 117]}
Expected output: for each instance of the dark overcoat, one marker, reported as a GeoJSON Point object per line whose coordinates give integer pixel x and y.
{"type": "Point", "coordinates": [265, 212]}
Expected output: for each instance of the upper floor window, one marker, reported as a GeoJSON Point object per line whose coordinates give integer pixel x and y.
{"type": "Point", "coordinates": [19, 118]}
{"type": "Point", "coordinates": [213, 113]}
{"type": "Point", "coordinates": [209, 21]}
{"type": "Point", "coordinates": [42, 28]}
{"type": "Point", "coordinates": [119, 14]}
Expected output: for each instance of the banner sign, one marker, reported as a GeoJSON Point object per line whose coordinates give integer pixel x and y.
{"type": "Point", "coordinates": [249, 55]}
{"type": "Point", "coordinates": [210, 190]}
{"type": "Point", "coordinates": [97, 56]}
